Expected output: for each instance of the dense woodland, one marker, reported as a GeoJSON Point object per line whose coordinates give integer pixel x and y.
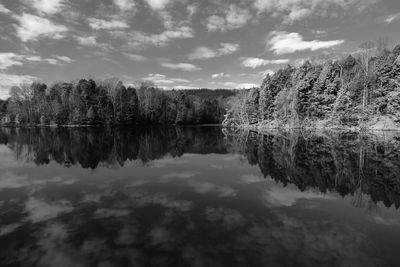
{"type": "Point", "coordinates": [109, 102]}
{"type": "Point", "coordinates": [361, 90]}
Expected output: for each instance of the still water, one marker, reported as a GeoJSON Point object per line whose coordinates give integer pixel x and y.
{"type": "Point", "coordinates": [198, 196]}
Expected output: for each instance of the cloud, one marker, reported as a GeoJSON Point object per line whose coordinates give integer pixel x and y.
{"type": "Point", "coordinates": [277, 196]}
{"type": "Point", "coordinates": [161, 80]}
{"type": "Point", "coordinates": [11, 59]}
{"type": "Point", "coordinates": [3, 9]}
{"type": "Point", "coordinates": [246, 85]}
{"type": "Point", "coordinates": [229, 218]}
{"type": "Point", "coordinates": [180, 66]}
{"type": "Point", "coordinates": [136, 57]}
{"type": "Point", "coordinates": [86, 40]}
{"type": "Point", "coordinates": [57, 60]}
{"type": "Point", "coordinates": [203, 52]}
{"type": "Point", "coordinates": [220, 75]}
{"type": "Point", "coordinates": [7, 229]}
{"type": "Point", "coordinates": [100, 24]}
{"type": "Point", "coordinates": [39, 210]}
{"type": "Point", "coordinates": [32, 27]}
{"type": "Point", "coordinates": [228, 48]}
{"type": "Point", "coordinates": [107, 213]}
{"type": "Point", "coordinates": [207, 187]}
{"type": "Point", "coordinates": [281, 42]}
{"type": "Point", "coordinates": [296, 10]}
{"type": "Point", "coordinates": [125, 5]}
{"type": "Point", "coordinates": [251, 178]}
{"type": "Point", "coordinates": [180, 175]}
{"type": "Point", "coordinates": [239, 85]}
{"type": "Point", "coordinates": [144, 199]}
{"type": "Point", "coordinates": [9, 80]}
{"type": "Point", "coordinates": [159, 235]}
{"type": "Point", "coordinates": [10, 180]}
{"type": "Point", "coordinates": [233, 18]}
{"type": "Point", "coordinates": [253, 62]}
{"type": "Point", "coordinates": [157, 4]}
{"type": "Point", "coordinates": [192, 9]}
{"type": "Point", "coordinates": [139, 40]}
{"type": "Point", "coordinates": [392, 18]}
{"type": "Point", "coordinates": [47, 6]}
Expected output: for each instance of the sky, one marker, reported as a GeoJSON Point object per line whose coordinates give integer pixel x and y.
{"type": "Point", "coordinates": [181, 43]}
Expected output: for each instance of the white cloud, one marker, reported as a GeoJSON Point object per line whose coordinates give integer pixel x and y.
{"type": "Point", "coordinates": [203, 52]}
{"type": "Point", "coordinates": [220, 75]}
{"type": "Point", "coordinates": [125, 5]}
{"type": "Point", "coordinates": [266, 72]}
{"type": "Point", "coordinates": [3, 9]}
{"type": "Point", "coordinates": [136, 57]}
{"type": "Point", "coordinates": [233, 18]}
{"type": "Point", "coordinates": [180, 175]}
{"type": "Point", "coordinates": [211, 188]}
{"type": "Point", "coordinates": [296, 10]}
{"type": "Point", "coordinates": [31, 27]}
{"type": "Point", "coordinates": [9, 59]}
{"type": "Point", "coordinates": [180, 66]}
{"type": "Point", "coordinates": [392, 18]}
{"type": "Point", "coordinates": [65, 59]}
{"type": "Point", "coordinates": [246, 85]}
{"type": "Point", "coordinates": [9, 80]}
{"type": "Point", "coordinates": [228, 48]}
{"type": "Point", "coordinates": [157, 4]}
{"type": "Point", "coordinates": [185, 87]}
{"type": "Point", "coordinates": [162, 80]}
{"type": "Point", "coordinates": [239, 85]}
{"type": "Point", "coordinates": [99, 24]}
{"type": "Point", "coordinates": [86, 40]}
{"type": "Point", "coordinates": [140, 40]}
{"type": "Point", "coordinates": [277, 196]}
{"type": "Point", "coordinates": [253, 62]}
{"type": "Point", "coordinates": [7, 229]}
{"type": "Point", "coordinates": [282, 42]}
{"type": "Point", "coordinates": [192, 9]}
{"type": "Point", "coordinates": [39, 210]}
{"type": "Point", "coordinates": [47, 6]}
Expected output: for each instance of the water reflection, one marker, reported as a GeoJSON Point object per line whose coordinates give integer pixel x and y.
{"type": "Point", "coordinates": [198, 196]}
{"type": "Point", "coordinates": [347, 163]}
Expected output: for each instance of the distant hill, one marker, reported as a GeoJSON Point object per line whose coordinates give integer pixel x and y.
{"type": "Point", "coordinates": [212, 93]}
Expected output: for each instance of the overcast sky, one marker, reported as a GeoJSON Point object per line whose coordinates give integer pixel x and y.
{"type": "Point", "coordinates": [180, 43]}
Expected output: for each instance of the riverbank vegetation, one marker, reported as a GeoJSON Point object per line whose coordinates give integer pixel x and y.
{"type": "Point", "coordinates": [359, 91]}
{"type": "Point", "coordinates": [109, 102]}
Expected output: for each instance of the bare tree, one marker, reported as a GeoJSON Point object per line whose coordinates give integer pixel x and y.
{"type": "Point", "coordinates": [22, 96]}
{"type": "Point", "coordinates": [111, 85]}
{"type": "Point", "coordinates": [367, 51]}
{"type": "Point", "coordinates": [382, 44]}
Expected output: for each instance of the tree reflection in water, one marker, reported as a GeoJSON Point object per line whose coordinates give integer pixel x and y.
{"type": "Point", "coordinates": [348, 163]}
{"type": "Point", "coordinates": [71, 197]}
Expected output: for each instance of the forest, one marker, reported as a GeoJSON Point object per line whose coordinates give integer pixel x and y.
{"type": "Point", "coordinates": [358, 91]}
{"type": "Point", "coordinates": [87, 102]}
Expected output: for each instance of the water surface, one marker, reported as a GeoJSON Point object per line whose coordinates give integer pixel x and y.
{"type": "Point", "coordinates": [198, 196]}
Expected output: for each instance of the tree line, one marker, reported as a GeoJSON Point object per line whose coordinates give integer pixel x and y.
{"type": "Point", "coordinates": [110, 102]}
{"type": "Point", "coordinates": [360, 90]}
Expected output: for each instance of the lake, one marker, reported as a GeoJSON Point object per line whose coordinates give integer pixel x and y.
{"type": "Point", "coordinates": [198, 196]}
